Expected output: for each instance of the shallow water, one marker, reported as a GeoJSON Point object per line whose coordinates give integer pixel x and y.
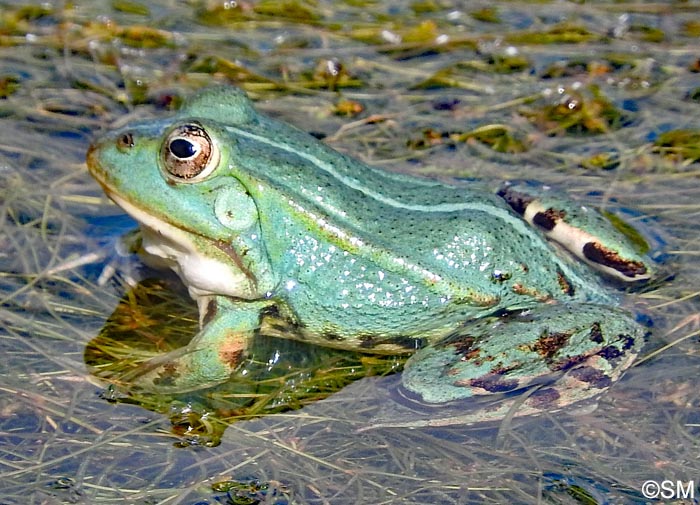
{"type": "Point", "coordinates": [414, 66]}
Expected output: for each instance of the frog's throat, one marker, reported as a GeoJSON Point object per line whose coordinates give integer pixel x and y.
{"type": "Point", "coordinates": [202, 273]}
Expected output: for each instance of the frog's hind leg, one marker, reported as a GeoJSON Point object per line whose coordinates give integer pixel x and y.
{"type": "Point", "coordinates": [616, 250]}
{"type": "Point", "coordinates": [216, 351]}
{"type": "Point", "coordinates": [570, 352]}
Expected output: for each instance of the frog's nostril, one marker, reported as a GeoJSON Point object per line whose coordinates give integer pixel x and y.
{"type": "Point", "coordinates": [125, 141]}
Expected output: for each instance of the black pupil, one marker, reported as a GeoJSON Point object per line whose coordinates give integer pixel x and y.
{"type": "Point", "coordinates": [183, 148]}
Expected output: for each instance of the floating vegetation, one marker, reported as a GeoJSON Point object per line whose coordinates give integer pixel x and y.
{"type": "Point", "coordinates": [565, 33]}
{"type": "Point", "coordinates": [694, 67]}
{"type": "Point", "coordinates": [230, 70]}
{"type": "Point", "coordinates": [620, 70]}
{"type": "Point", "coordinates": [291, 10]}
{"type": "Point", "coordinates": [691, 29]}
{"type": "Point", "coordinates": [575, 67]}
{"type": "Point", "coordinates": [252, 492]}
{"type": "Point", "coordinates": [331, 74]}
{"type": "Point", "coordinates": [9, 84]}
{"type": "Point", "coordinates": [144, 37]}
{"type": "Point", "coordinates": [225, 13]}
{"type": "Point", "coordinates": [11, 19]}
{"type": "Point", "coordinates": [647, 33]}
{"type": "Point", "coordinates": [131, 7]}
{"type": "Point", "coordinates": [486, 15]}
{"type": "Point", "coordinates": [349, 108]}
{"type": "Point", "coordinates": [679, 145]}
{"type": "Point", "coordinates": [500, 138]}
{"type": "Point", "coordinates": [694, 95]}
{"type": "Point", "coordinates": [577, 111]}
{"type": "Point", "coordinates": [601, 161]}
{"type": "Point", "coordinates": [461, 74]}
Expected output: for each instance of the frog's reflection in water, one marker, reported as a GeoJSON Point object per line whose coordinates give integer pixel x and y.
{"type": "Point", "coordinates": [278, 376]}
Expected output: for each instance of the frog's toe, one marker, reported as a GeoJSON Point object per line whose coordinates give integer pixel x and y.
{"type": "Point", "coordinates": [569, 352]}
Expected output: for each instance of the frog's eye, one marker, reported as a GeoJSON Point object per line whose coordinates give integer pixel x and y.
{"type": "Point", "coordinates": [188, 153]}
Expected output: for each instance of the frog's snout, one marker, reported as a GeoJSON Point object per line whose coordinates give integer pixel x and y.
{"type": "Point", "coordinates": [95, 162]}
{"type": "Point", "coordinates": [123, 143]}
{"type": "Point", "coordinates": [91, 157]}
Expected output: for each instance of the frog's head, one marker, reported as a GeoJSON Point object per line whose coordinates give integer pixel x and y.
{"type": "Point", "coordinates": [174, 177]}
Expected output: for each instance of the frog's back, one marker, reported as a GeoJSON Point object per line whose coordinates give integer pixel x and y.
{"type": "Point", "coordinates": [461, 239]}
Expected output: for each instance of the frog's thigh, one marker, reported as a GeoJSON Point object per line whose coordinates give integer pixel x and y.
{"type": "Point", "coordinates": [582, 230]}
{"type": "Point", "coordinates": [212, 354]}
{"type": "Point", "coordinates": [572, 352]}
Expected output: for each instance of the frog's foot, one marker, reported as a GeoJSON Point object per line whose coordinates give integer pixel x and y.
{"type": "Point", "coordinates": [614, 248]}
{"type": "Point", "coordinates": [212, 355]}
{"type": "Point", "coordinates": [569, 353]}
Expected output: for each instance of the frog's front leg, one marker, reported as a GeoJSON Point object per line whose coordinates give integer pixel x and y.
{"type": "Point", "coordinates": [569, 352]}
{"type": "Point", "coordinates": [616, 251]}
{"type": "Point", "coordinates": [226, 330]}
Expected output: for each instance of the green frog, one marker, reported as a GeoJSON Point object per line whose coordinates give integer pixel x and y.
{"type": "Point", "coordinates": [274, 232]}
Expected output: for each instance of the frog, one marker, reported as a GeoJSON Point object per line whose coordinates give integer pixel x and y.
{"type": "Point", "coordinates": [273, 232]}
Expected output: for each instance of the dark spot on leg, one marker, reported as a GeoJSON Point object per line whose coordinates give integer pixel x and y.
{"type": "Point", "coordinates": [610, 352]}
{"type": "Point", "coordinates": [592, 376]}
{"type": "Point", "coordinates": [231, 350]}
{"type": "Point", "coordinates": [543, 398]}
{"type": "Point", "coordinates": [567, 362]}
{"type": "Point", "coordinates": [500, 276]}
{"type": "Point", "coordinates": [231, 357]}
{"type": "Point", "coordinates": [628, 341]}
{"type": "Point", "coordinates": [596, 335]}
{"type": "Point", "coordinates": [332, 337]}
{"type": "Point", "coordinates": [519, 289]}
{"type": "Point", "coordinates": [465, 347]}
{"type": "Point", "coordinates": [502, 370]}
{"type": "Point", "coordinates": [493, 383]}
{"type": "Point", "coordinates": [597, 253]}
{"type": "Point", "coordinates": [548, 344]}
{"type": "Point", "coordinates": [517, 201]}
{"type": "Point", "coordinates": [548, 219]}
{"type": "Point", "coordinates": [566, 287]}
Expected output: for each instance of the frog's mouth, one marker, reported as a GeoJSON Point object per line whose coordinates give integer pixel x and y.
{"type": "Point", "coordinates": [207, 267]}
